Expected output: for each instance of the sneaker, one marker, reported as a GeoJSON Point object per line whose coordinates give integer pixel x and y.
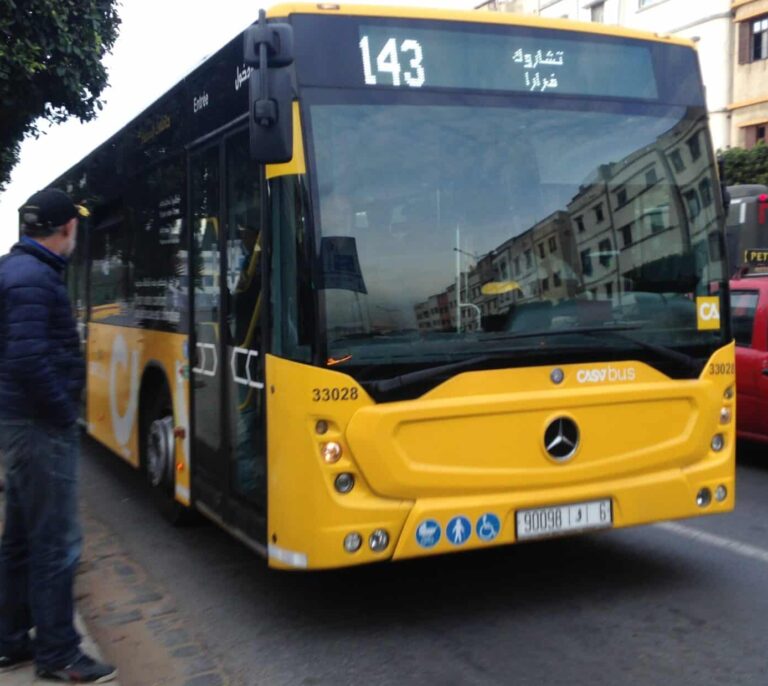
{"type": "Point", "coordinates": [84, 670]}
{"type": "Point", "coordinates": [10, 662]}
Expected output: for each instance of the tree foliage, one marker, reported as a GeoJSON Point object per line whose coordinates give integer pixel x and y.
{"type": "Point", "coordinates": [746, 166]}
{"type": "Point", "coordinates": [50, 66]}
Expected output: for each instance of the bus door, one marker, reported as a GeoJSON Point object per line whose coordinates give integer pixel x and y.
{"type": "Point", "coordinates": [229, 432]}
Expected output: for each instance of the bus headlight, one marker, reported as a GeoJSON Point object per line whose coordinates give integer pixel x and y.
{"type": "Point", "coordinates": [379, 540]}
{"type": "Point", "coordinates": [718, 442]}
{"type": "Point", "coordinates": [331, 452]}
{"type": "Point", "coordinates": [344, 483]}
{"type": "Point", "coordinates": [721, 493]}
{"type": "Point", "coordinates": [725, 415]}
{"type": "Point", "coordinates": [352, 542]}
{"type": "Point", "coordinates": [703, 497]}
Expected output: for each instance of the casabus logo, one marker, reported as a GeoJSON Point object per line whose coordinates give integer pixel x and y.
{"type": "Point", "coordinates": [708, 312]}
{"type": "Point", "coordinates": [606, 375]}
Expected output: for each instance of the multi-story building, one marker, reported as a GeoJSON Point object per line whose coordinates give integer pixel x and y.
{"type": "Point", "coordinates": [618, 239]}
{"type": "Point", "coordinates": [708, 22]}
{"type": "Point", "coordinates": [749, 108]}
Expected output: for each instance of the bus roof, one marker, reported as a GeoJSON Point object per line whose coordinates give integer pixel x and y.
{"type": "Point", "coordinates": [479, 16]}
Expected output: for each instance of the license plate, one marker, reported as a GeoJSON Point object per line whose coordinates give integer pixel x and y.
{"type": "Point", "coordinates": [562, 519]}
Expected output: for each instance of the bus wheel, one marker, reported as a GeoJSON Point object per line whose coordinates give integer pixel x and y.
{"type": "Point", "coordinates": [158, 443]}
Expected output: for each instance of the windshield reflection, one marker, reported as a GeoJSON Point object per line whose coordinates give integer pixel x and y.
{"type": "Point", "coordinates": [445, 229]}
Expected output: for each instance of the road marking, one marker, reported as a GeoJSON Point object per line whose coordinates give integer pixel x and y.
{"type": "Point", "coordinates": [743, 549]}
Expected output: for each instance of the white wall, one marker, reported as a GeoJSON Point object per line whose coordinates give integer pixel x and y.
{"type": "Point", "coordinates": [709, 23]}
{"type": "Point", "coordinates": [573, 9]}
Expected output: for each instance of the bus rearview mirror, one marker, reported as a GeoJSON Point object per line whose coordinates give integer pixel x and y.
{"type": "Point", "coordinates": [271, 117]}
{"type": "Point", "coordinates": [278, 39]}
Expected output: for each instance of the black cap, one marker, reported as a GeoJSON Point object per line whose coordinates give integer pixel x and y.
{"type": "Point", "coordinates": [48, 209]}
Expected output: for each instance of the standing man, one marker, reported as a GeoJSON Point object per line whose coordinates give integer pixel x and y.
{"type": "Point", "coordinates": [41, 378]}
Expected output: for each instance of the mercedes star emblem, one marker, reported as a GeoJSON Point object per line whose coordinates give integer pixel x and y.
{"type": "Point", "coordinates": [561, 439]}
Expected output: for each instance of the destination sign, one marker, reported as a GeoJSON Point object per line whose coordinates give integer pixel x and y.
{"type": "Point", "coordinates": [412, 58]}
{"type": "Point", "coordinates": [402, 57]}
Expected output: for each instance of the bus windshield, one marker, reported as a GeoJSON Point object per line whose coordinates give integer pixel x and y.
{"type": "Point", "coordinates": [452, 224]}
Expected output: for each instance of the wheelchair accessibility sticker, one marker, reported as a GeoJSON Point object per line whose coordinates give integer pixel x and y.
{"type": "Point", "coordinates": [488, 527]}
{"type": "Point", "coordinates": [428, 533]}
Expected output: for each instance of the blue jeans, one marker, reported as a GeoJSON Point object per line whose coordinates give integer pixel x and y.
{"type": "Point", "coordinates": [41, 541]}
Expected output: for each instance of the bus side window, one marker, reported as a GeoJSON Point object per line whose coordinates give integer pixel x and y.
{"type": "Point", "coordinates": [293, 291]}
{"type": "Point", "coordinates": [243, 307]}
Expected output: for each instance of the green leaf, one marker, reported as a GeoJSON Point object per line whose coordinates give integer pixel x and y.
{"type": "Point", "coordinates": [50, 51]}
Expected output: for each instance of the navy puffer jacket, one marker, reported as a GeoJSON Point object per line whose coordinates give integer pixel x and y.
{"type": "Point", "coordinates": [41, 367]}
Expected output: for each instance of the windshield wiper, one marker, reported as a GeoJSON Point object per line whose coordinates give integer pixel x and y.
{"type": "Point", "coordinates": [411, 378]}
{"type": "Point", "coordinates": [616, 332]}
{"type": "Point", "coordinates": [661, 350]}
{"type": "Point", "coordinates": [395, 382]}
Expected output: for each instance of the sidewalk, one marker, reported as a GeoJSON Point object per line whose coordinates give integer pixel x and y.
{"type": "Point", "coordinates": [26, 675]}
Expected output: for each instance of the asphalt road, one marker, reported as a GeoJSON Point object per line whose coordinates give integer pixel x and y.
{"type": "Point", "coordinates": [673, 604]}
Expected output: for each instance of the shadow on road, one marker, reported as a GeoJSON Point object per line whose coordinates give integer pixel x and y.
{"type": "Point", "coordinates": [573, 572]}
{"type": "Point", "coordinates": [752, 454]}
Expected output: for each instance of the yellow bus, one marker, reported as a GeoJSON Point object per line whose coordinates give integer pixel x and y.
{"type": "Point", "coordinates": [375, 283]}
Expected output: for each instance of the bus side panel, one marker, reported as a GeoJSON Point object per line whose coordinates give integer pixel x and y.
{"type": "Point", "coordinates": [117, 358]}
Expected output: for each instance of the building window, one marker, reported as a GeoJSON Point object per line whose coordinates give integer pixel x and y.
{"type": "Point", "coordinates": [597, 12]}
{"type": "Point", "coordinates": [694, 147]}
{"type": "Point", "coordinates": [760, 39]}
{"type": "Point", "coordinates": [579, 223]}
{"type": "Point", "coordinates": [556, 279]}
{"type": "Point", "coordinates": [656, 221]}
{"type": "Point", "coordinates": [599, 213]}
{"type": "Point", "coordinates": [586, 262]}
{"type": "Point", "coordinates": [650, 177]}
{"type": "Point", "coordinates": [552, 244]}
{"type": "Point", "coordinates": [541, 250]}
{"type": "Point", "coordinates": [517, 266]}
{"type": "Point", "coordinates": [605, 252]}
{"type": "Point", "coordinates": [528, 259]}
{"type": "Point", "coordinates": [545, 284]}
{"type": "Point", "coordinates": [692, 203]}
{"type": "Point", "coordinates": [754, 135]}
{"type": "Point", "coordinates": [621, 197]}
{"type": "Point", "coordinates": [626, 235]}
{"type": "Point", "coordinates": [609, 290]}
{"type": "Point", "coordinates": [677, 160]}
{"type": "Point", "coordinates": [705, 190]}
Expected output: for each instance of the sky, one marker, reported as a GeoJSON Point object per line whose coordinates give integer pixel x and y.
{"type": "Point", "coordinates": [160, 41]}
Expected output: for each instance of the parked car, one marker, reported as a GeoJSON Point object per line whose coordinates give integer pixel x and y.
{"type": "Point", "coordinates": [749, 314]}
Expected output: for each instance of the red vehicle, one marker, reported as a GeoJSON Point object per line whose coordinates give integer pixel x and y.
{"type": "Point", "coordinates": [749, 313]}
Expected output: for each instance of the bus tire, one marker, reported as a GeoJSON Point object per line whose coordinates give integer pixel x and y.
{"type": "Point", "coordinates": [157, 450]}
